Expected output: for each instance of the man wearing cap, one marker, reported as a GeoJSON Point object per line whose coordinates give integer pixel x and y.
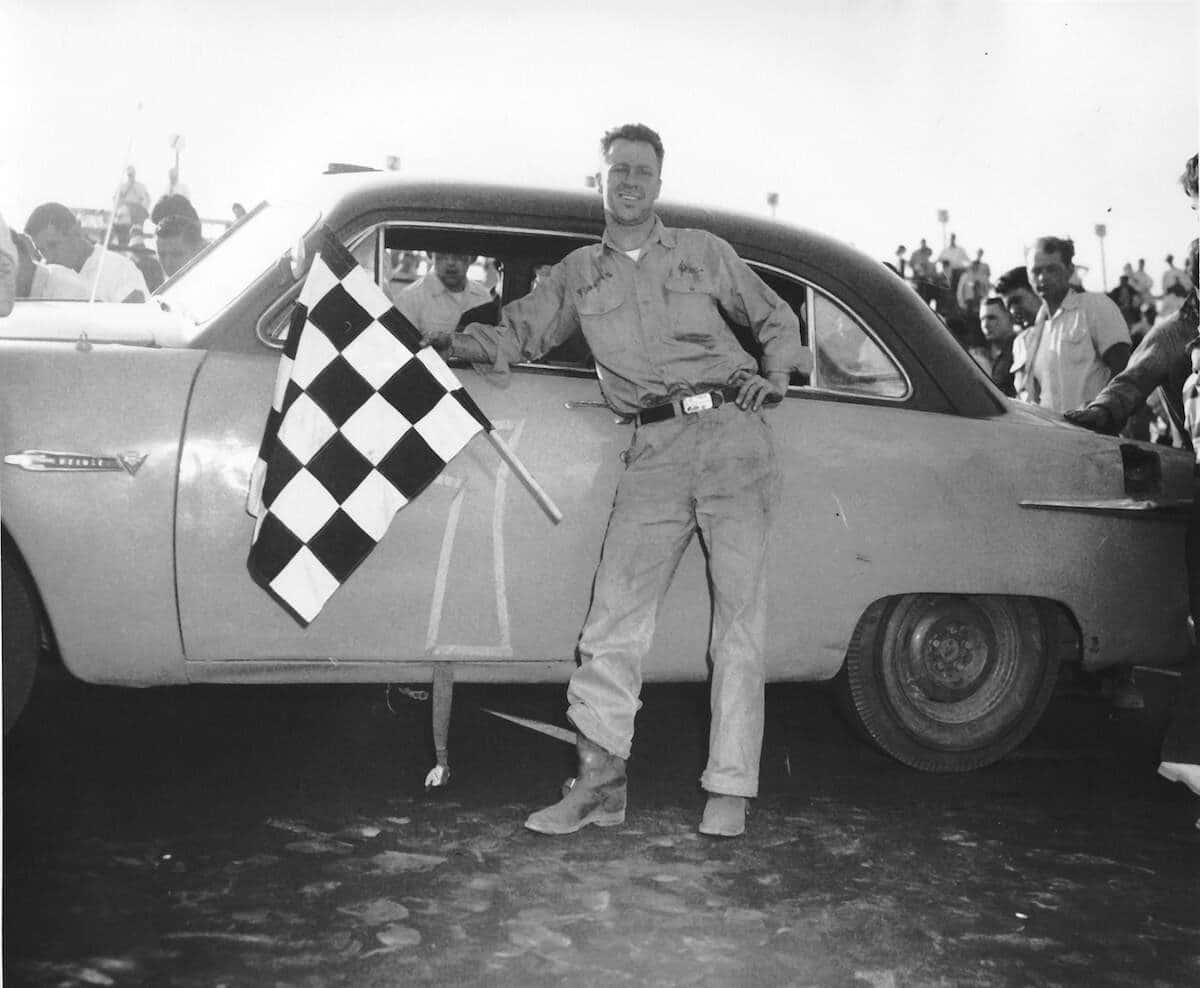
{"type": "Point", "coordinates": [649, 301]}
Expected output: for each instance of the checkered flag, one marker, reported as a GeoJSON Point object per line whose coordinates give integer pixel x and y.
{"type": "Point", "coordinates": [363, 419]}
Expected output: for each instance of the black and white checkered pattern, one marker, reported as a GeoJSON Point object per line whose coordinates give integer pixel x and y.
{"type": "Point", "coordinates": [363, 419]}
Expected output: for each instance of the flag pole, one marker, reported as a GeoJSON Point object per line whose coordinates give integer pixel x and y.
{"type": "Point", "coordinates": [534, 488]}
{"type": "Point", "coordinates": [116, 201]}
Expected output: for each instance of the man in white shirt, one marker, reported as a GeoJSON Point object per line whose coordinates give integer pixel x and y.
{"type": "Point", "coordinates": [1080, 339]}
{"type": "Point", "coordinates": [436, 302]}
{"type": "Point", "coordinates": [58, 236]}
{"type": "Point", "coordinates": [953, 253]}
{"type": "Point", "coordinates": [45, 281]}
{"type": "Point", "coordinates": [1141, 280]}
{"type": "Point", "coordinates": [1175, 276]}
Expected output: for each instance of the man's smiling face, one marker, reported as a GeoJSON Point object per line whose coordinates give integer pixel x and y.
{"type": "Point", "coordinates": [630, 182]}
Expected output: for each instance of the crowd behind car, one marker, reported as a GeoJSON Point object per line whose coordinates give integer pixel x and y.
{"type": "Point", "coordinates": [108, 255]}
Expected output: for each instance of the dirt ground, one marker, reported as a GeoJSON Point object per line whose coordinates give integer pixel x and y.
{"type": "Point", "coordinates": [255, 836]}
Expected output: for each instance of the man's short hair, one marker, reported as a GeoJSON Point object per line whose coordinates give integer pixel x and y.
{"type": "Point", "coordinates": [1188, 179]}
{"type": "Point", "coordinates": [995, 300]}
{"type": "Point", "coordinates": [172, 205]}
{"type": "Point", "coordinates": [1013, 279]}
{"type": "Point", "coordinates": [53, 214]}
{"type": "Point", "coordinates": [633, 132]}
{"type": "Point", "coordinates": [176, 225]}
{"type": "Point", "coordinates": [1064, 247]}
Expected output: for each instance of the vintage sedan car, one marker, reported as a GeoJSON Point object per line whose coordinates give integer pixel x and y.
{"type": "Point", "coordinates": [940, 550]}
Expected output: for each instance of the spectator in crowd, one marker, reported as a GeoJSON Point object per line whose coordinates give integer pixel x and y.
{"type": "Point", "coordinates": [1146, 319]}
{"type": "Point", "coordinates": [1127, 299]}
{"type": "Point", "coordinates": [923, 271]}
{"type": "Point", "coordinates": [1019, 297]}
{"type": "Point", "coordinates": [901, 261]}
{"type": "Point", "coordinates": [943, 294]}
{"type": "Point", "coordinates": [1079, 340]}
{"type": "Point", "coordinates": [1142, 282]}
{"type": "Point", "coordinates": [953, 253]}
{"type": "Point", "coordinates": [972, 289]}
{"type": "Point", "coordinates": [8, 270]}
{"type": "Point", "coordinates": [59, 238]}
{"type": "Point", "coordinates": [1175, 276]}
{"type": "Point", "coordinates": [134, 194]}
{"type": "Point", "coordinates": [175, 187]}
{"type": "Point", "coordinates": [1173, 298]}
{"type": "Point", "coordinates": [36, 280]}
{"type": "Point", "coordinates": [173, 205]}
{"type": "Point", "coordinates": [177, 240]}
{"type": "Point", "coordinates": [957, 258]}
{"type": "Point", "coordinates": [983, 265]}
{"type": "Point", "coordinates": [238, 211]}
{"type": "Point", "coordinates": [436, 302]}
{"type": "Point", "coordinates": [1000, 334]}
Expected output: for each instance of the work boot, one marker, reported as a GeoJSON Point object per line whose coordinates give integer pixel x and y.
{"type": "Point", "coordinates": [598, 795]}
{"type": "Point", "coordinates": [724, 816]}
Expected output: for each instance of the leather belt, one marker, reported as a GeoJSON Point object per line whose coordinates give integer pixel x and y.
{"type": "Point", "coordinates": [691, 405]}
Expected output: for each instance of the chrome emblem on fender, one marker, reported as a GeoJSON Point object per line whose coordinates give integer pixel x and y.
{"type": "Point", "coordinates": [43, 460]}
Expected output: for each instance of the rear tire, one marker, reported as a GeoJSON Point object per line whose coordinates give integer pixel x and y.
{"type": "Point", "coordinates": [948, 683]}
{"type": "Point", "coordinates": [20, 640]}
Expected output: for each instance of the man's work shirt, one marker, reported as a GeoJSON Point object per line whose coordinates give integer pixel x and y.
{"type": "Point", "coordinates": [57, 281]}
{"type": "Point", "coordinates": [429, 306]}
{"type": "Point", "coordinates": [1162, 360]}
{"type": "Point", "coordinates": [1066, 349]}
{"type": "Point", "coordinates": [119, 276]}
{"type": "Point", "coordinates": [654, 325]}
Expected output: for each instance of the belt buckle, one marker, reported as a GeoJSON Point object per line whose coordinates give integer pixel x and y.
{"type": "Point", "coordinates": [697, 403]}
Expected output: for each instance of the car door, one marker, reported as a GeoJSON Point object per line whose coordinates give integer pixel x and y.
{"type": "Point", "coordinates": [471, 570]}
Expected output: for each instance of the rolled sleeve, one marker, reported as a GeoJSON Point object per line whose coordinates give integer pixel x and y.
{"type": "Point", "coordinates": [529, 326]}
{"type": "Point", "coordinates": [1105, 322]}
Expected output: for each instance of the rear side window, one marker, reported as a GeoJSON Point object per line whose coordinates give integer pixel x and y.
{"type": "Point", "coordinates": [846, 358]}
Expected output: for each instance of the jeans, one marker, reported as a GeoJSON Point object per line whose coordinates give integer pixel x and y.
{"type": "Point", "coordinates": [712, 472]}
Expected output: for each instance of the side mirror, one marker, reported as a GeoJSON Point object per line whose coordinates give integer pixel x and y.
{"type": "Point", "coordinates": [298, 259]}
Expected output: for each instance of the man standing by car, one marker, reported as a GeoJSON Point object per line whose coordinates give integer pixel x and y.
{"type": "Point", "coordinates": [649, 300]}
{"type": "Point", "coordinates": [1079, 340]}
{"type": "Point", "coordinates": [59, 238]}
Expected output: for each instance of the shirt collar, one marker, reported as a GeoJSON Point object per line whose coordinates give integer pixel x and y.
{"type": "Point", "coordinates": [1071, 301]}
{"type": "Point", "coordinates": [663, 234]}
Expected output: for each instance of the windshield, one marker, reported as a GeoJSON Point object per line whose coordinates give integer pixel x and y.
{"type": "Point", "coordinates": [230, 265]}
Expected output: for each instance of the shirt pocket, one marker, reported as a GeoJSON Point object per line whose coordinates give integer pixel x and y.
{"type": "Point", "coordinates": [691, 302]}
{"type": "Point", "coordinates": [1077, 342]}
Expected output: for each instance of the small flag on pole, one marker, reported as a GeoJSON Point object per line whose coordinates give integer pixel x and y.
{"type": "Point", "coordinates": [363, 419]}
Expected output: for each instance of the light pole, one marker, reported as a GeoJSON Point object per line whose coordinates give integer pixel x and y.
{"type": "Point", "coordinates": [943, 217]}
{"type": "Point", "coordinates": [1101, 231]}
{"type": "Point", "coordinates": [773, 202]}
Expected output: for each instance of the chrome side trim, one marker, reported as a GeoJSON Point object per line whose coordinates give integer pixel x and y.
{"type": "Point", "coordinates": [49, 461]}
{"type": "Point", "coordinates": [1161, 508]}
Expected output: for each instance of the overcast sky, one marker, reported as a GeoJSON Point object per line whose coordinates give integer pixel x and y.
{"type": "Point", "coordinates": [866, 117]}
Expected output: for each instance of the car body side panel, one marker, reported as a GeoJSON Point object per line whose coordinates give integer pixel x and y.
{"type": "Point", "coordinates": [880, 502]}
{"type": "Point", "coordinates": [472, 570]}
{"type": "Point", "coordinates": [99, 543]}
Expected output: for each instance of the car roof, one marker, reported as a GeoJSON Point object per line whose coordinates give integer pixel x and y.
{"type": "Point", "coordinates": [868, 286]}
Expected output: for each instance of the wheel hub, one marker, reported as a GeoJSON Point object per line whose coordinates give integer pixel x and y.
{"type": "Point", "coordinates": [951, 652]}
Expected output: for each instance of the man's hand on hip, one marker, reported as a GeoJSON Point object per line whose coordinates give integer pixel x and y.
{"type": "Point", "coordinates": [757, 391]}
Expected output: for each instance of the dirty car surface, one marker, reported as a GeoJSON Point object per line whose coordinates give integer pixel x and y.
{"type": "Point", "coordinates": [939, 549]}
